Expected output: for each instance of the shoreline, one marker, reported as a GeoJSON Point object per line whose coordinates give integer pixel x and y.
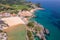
{"type": "Point", "coordinates": [43, 30]}
{"type": "Point", "coordinates": [33, 10]}
{"type": "Point", "coordinates": [25, 20]}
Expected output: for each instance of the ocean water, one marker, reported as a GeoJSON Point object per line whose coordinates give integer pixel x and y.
{"type": "Point", "coordinates": [49, 18]}
{"type": "Point", "coordinates": [44, 17]}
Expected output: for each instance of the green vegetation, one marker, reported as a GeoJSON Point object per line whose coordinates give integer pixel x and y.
{"type": "Point", "coordinates": [37, 28]}
{"type": "Point", "coordinates": [11, 1]}
{"type": "Point", "coordinates": [33, 28]}
{"type": "Point", "coordinates": [1, 31]}
{"type": "Point", "coordinates": [16, 32]}
{"type": "Point", "coordinates": [20, 7]}
{"type": "Point", "coordinates": [12, 5]}
{"type": "Point", "coordinates": [30, 35]}
{"type": "Point", "coordinates": [16, 5]}
{"type": "Point", "coordinates": [30, 24]}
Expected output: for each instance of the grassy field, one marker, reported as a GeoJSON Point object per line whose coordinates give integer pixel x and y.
{"type": "Point", "coordinates": [16, 32]}
{"type": "Point", "coordinates": [14, 7]}
{"type": "Point", "coordinates": [19, 7]}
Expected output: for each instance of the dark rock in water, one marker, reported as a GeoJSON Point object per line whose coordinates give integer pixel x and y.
{"type": "Point", "coordinates": [46, 31]}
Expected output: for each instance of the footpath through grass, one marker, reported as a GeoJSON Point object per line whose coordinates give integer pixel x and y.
{"type": "Point", "coordinates": [16, 33]}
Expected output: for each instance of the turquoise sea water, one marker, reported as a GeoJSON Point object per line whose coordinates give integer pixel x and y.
{"type": "Point", "coordinates": [45, 18]}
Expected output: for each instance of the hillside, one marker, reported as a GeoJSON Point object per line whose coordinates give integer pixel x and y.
{"type": "Point", "coordinates": [12, 5]}
{"type": "Point", "coordinates": [11, 1]}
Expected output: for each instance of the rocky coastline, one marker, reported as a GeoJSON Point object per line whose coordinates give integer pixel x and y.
{"type": "Point", "coordinates": [37, 28]}
{"type": "Point", "coordinates": [3, 34]}
{"type": "Point", "coordinates": [32, 27]}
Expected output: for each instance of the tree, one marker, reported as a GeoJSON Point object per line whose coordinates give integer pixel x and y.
{"type": "Point", "coordinates": [37, 28]}
{"type": "Point", "coordinates": [30, 24]}
{"type": "Point", "coordinates": [30, 35]}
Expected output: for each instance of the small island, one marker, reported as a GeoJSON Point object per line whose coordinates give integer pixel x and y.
{"type": "Point", "coordinates": [19, 15]}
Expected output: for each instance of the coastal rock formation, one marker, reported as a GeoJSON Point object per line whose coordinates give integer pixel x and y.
{"type": "Point", "coordinates": [46, 31]}
{"type": "Point", "coordinates": [34, 27]}
{"type": "Point", "coordinates": [3, 35]}
{"type": "Point", "coordinates": [3, 25]}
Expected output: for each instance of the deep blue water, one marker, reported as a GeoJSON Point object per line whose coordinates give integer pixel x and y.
{"type": "Point", "coordinates": [49, 18]}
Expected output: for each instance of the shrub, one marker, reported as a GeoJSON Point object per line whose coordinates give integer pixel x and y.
{"type": "Point", "coordinates": [30, 24]}
{"type": "Point", "coordinates": [29, 34]}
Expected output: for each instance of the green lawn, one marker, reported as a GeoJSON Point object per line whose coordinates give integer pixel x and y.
{"type": "Point", "coordinates": [16, 33]}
